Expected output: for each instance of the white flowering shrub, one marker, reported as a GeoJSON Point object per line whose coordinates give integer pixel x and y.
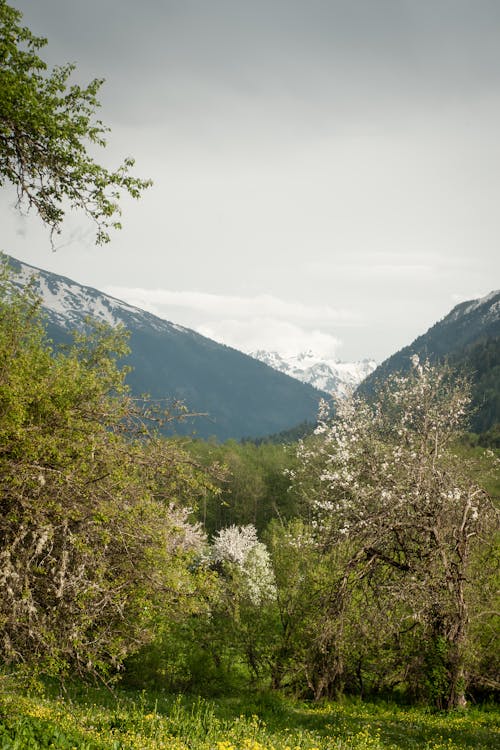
{"type": "Point", "coordinates": [238, 549]}
{"type": "Point", "coordinates": [234, 543]}
{"type": "Point", "coordinates": [184, 535]}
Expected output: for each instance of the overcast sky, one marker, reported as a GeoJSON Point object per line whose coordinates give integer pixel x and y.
{"type": "Point", "coordinates": [326, 172]}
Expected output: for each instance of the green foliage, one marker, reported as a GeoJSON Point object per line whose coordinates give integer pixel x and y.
{"type": "Point", "coordinates": [303, 572]}
{"type": "Point", "coordinates": [254, 486]}
{"type": "Point", "coordinates": [230, 639]}
{"type": "Point", "coordinates": [47, 130]}
{"type": "Point", "coordinates": [436, 671]}
{"type": "Point", "coordinates": [186, 656]}
{"type": "Point", "coordinates": [94, 538]}
{"type": "Point", "coordinates": [490, 438]}
{"type": "Point", "coordinates": [484, 645]}
{"type": "Point", "coordinates": [287, 437]}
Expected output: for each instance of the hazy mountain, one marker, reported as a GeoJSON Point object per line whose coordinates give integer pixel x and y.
{"type": "Point", "coordinates": [469, 338]}
{"type": "Point", "coordinates": [330, 375]}
{"type": "Point", "coordinates": [242, 396]}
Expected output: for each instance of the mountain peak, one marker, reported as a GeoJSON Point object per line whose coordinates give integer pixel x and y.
{"type": "Point", "coordinates": [325, 373]}
{"type": "Point", "coordinates": [469, 339]}
{"type": "Point", "coordinates": [488, 307]}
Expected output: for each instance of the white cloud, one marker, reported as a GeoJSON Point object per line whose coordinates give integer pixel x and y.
{"type": "Point", "coordinates": [272, 335]}
{"type": "Point", "coordinates": [247, 323]}
{"type": "Point", "coordinates": [160, 301]}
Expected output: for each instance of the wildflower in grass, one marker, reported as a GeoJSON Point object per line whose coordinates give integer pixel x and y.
{"type": "Point", "coordinates": [225, 745]}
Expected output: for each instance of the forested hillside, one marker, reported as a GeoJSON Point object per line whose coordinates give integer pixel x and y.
{"type": "Point", "coordinates": [482, 361]}
{"type": "Point", "coordinates": [468, 338]}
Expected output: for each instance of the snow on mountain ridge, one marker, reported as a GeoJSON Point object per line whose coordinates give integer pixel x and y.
{"type": "Point", "coordinates": [488, 306]}
{"type": "Point", "coordinates": [326, 374]}
{"type": "Point", "coordinates": [68, 303]}
{"type": "Point", "coordinates": [475, 304]}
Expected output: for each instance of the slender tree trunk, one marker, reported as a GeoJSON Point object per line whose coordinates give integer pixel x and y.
{"type": "Point", "coordinates": [458, 638]}
{"type": "Point", "coordinates": [456, 694]}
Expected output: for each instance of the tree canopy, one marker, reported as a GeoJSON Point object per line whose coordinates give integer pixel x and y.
{"type": "Point", "coordinates": [48, 126]}
{"type": "Point", "coordinates": [95, 537]}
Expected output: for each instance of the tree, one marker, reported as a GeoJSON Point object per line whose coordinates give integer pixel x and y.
{"type": "Point", "coordinates": [95, 537]}
{"type": "Point", "coordinates": [47, 129]}
{"type": "Point", "coordinates": [244, 612]}
{"type": "Point", "coordinates": [387, 483]}
{"type": "Point", "coordinates": [240, 554]}
{"type": "Point", "coordinates": [306, 654]}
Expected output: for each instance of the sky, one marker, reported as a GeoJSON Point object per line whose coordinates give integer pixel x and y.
{"type": "Point", "coordinates": [326, 172]}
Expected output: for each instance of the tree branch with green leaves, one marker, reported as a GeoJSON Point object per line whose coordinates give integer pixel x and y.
{"type": "Point", "coordinates": [47, 128]}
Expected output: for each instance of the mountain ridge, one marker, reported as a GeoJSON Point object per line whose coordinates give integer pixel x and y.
{"type": "Point", "coordinates": [242, 396]}
{"type": "Point", "coordinates": [468, 337]}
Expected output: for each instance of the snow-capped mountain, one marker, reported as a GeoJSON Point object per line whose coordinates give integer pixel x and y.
{"type": "Point", "coordinates": [330, 375]}
{"type": "Point", "coordinates": [67, 304]}
{"type": "Point", "coordinates": [235, 395]}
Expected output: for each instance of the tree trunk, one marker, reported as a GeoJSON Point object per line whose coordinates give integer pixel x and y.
{"type": "Point", "coordinates": [456, 695]}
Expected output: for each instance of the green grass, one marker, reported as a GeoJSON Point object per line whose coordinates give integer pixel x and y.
{"type": "Point", "coordinates": [90, 719]}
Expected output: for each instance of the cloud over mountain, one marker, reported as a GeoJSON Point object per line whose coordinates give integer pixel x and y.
{"type": "Point", "coordinates": [261, 321]}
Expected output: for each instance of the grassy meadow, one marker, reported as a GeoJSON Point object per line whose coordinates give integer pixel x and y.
{"type": "Point", "coordinates": [91, 719]}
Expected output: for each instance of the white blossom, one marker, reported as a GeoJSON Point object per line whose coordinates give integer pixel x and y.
{"type": "Point", "coordinates": [234, 543]}
{"type": "Point", "coordinates": [239, 546]}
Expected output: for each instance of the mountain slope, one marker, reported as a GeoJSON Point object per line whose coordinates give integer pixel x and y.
{"type": "Point", "coordinates": [241, 396]}
{"type": "Point", "coordinates": [327, 375]}
{"type": "Point", "coordinates": [469, 339]}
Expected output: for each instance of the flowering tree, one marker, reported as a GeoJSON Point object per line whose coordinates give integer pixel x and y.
{"type": "Point", "coordinates": [239, 551]}
{"type": "Point", "coordinates": [387, 484]}
{"type": "Point", "coordinates": [244, 611]}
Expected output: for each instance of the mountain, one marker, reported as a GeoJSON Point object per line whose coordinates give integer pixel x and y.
{"type": "Point", "coordinates": [240, 396]}
{"type": "Point", "coordinates": [469, 339]}
{"type": "Point", "coordinates": [328, 375]}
